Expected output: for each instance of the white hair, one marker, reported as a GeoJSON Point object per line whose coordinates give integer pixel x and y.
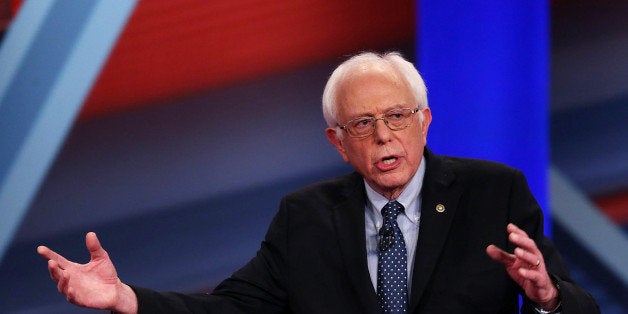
{"type": "Point", "coordinates": [405, 69]}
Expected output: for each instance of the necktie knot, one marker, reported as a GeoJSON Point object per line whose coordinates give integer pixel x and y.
{"type": "Point", "coordinates": [391, 210]}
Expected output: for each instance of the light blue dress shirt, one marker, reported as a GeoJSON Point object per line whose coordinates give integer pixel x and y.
{"type": "Point", "coordinates": [408, 222]}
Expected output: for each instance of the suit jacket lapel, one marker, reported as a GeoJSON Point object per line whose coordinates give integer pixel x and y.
{"type": "Point", "coordinates": [349, 223]}
{"type": "Point", "coordinates": [439, 202]}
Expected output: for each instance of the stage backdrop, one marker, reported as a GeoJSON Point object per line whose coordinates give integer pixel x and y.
{"type": "Point", "coordinates": [486, 68]}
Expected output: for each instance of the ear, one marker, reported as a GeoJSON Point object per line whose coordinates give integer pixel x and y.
{"type": "Point", "coordinates": [334, 140]}
{"type": "Point", "coordinates": [425, 124]}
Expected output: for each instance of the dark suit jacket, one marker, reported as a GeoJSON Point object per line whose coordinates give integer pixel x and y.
{"type": "Point", "coordinates": [313, 259]}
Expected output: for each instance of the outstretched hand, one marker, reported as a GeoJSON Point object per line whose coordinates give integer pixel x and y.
{"type": "Point", "coordinates": [95, 284]}
{"type": "Point", "coordinates": [527, 268]}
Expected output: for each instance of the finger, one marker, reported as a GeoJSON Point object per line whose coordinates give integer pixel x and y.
{"type": "Point", "coordinates": [534, 261]}
{"type": "Point", "coordinates": [69, 295]}
{"type": "Point", "coordinates": [62, 283]}
{"type": "Point", "coordinates": [49, 254]}
{"type": "Point", "coordinates": [54, 270]}
{"type": "Point", "coordinates": [534, 276]}
{"type": "Point", "coordinates": [521, 239]}
{"type": "Point", "coordinates": [526, 249]}
{"type": "Point", "coordinates": [93, 245]}
{"type": "Point", "coordinates": [500, 255]}
{"type": "Point", "coordinates": [512, 228]}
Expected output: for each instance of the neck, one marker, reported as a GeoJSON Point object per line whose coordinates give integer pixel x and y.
{"type": "Point", "coordinates": [393, 193]}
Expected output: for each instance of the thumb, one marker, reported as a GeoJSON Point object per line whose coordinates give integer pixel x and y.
{"type": "Point", "coordinates": [93, 246]}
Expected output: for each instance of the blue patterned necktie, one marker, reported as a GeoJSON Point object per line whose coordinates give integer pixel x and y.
{"type": "Point", "coordinates": [392, 263]}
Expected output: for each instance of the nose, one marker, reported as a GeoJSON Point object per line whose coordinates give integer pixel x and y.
{"type": "Point", "coordinates": [382, 132]}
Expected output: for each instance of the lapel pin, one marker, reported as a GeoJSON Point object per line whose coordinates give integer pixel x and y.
{"type": "Point", "coordinates": [440, 208]}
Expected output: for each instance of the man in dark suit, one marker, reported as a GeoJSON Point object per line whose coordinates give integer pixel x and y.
{"type": "Point", "coordinates": [409, 231]}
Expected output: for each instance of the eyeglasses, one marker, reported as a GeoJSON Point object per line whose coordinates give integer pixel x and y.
{"type": "Point", "coordinates": [396, 119]}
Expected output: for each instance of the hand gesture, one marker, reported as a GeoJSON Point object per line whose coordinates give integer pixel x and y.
{"type": "Point", "coordinates": [527, 268]}
{"type": "Point", "coordinates": [95, 284]}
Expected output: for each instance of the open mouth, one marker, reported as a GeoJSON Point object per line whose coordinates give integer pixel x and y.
{"type": "Point", "coordinates": [388, 163]}
{"type": "Point", "coordinates": [389, 160]}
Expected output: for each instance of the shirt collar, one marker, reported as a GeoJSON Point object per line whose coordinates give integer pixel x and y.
{"type": "Point", "coordinates": [408, 195]}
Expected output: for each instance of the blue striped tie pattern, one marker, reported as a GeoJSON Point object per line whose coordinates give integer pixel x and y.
{"type": "Point", "coordinates": [392, 283]}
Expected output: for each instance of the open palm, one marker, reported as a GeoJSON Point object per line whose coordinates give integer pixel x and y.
{"type": "Point", "coordinates": [95, 284]}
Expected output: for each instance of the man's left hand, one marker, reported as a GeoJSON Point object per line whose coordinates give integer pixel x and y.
{"type": "Point", "coordinates": [527, 268]}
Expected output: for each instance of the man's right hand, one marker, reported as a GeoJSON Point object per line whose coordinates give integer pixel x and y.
{"type": "Point", "coordinates": [95, 284]}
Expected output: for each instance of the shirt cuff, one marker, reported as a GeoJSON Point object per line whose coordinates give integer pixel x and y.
{"type": "Point", "coordinates": [556, 310]}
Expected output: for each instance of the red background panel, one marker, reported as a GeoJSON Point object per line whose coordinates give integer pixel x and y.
{"type": "Point", "coordinates": [173, 48]}
{"type": "Point", "coordinates": [615, 206]}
